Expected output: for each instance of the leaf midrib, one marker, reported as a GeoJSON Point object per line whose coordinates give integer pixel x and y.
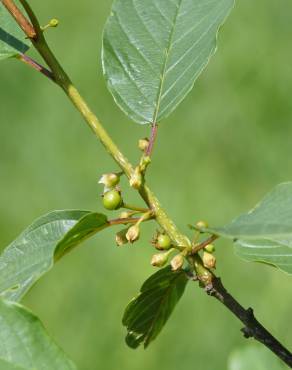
{"type": "Point", "coordinates": [164, 69]}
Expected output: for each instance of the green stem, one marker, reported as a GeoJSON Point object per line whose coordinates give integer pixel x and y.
{"type": "Point", "coordinates": [134, 208]}
{"type": "Point", "coordinates": [62, 79]}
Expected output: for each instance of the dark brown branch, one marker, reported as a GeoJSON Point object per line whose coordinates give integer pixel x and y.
{"type": "Point", "coordinates": [21, 20]}
{"type": "Point", "coordinates": [152, 139]}
{"type": "Point", "coordinates": [252, 328]}
{"type": "Point", "coordinates": [204, 244]}
{"type": "Point", "coordinates": [38, 67]}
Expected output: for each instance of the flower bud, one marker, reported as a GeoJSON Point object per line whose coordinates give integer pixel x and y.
{"type": "Point", "coordinates": [177, 262]}
{"type": "Point", "coordinates": [160, 259]}
{"type": "Point", "coordinates": [136, 179]}
{"type": "Point", "coordinates": [54, 22]}
{"type": "Point", "coordinates": [210, 248]}
{"type": "Point", "coordinates": [121, 238]}
{"type": "Point", "coordinates": [125, 214]}
{"type": "Point", "coordinates": [202, 225]}
{"type": "Point", "coordinates": [143, 144]}
{"type": "Point", "coordinates": [209, 260]}
{"type": "Point", "coordinates": [109, 180]}
{"type": "Point", "coordinates": [133, 233]}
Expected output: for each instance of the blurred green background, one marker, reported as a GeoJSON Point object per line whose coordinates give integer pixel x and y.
{"type": "Point", "coordinates": [227, 145]}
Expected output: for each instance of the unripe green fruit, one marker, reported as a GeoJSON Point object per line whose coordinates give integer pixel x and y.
{"type": "Point", "coordinates": [112, 200]}
{"type": "Point", "coordinates": [163, 241]}
{"type": "Point", "coordinates": [210, 248]}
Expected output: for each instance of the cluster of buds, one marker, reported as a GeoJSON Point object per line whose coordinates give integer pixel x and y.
{"type": "Point", "coordinates": [128, 235]}
{"type": "Point", "coordinates": [137, 177]}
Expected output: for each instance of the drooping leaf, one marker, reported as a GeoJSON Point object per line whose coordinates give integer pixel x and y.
{"type": "Point", "coordinates": [146, 314]}
{"type": "Point", "coordinates": [25, 344]}
{"type": "Point", "coordinates": [264, 234]}
{"type": "Point", "coordinates": [33, 253]}
{"type": "Point", "coordinates": [153, 51]}
{"type": "Point", "coordinates": [12, 38]}
{"type": "Point", "coordinates": [254, 357]}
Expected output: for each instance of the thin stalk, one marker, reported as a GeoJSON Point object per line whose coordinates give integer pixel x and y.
{"type": "Point", "coordinates": [35, 65]}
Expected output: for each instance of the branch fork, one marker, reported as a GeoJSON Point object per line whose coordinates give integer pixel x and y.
{"type": "Point", "coordinates": [212, 284]}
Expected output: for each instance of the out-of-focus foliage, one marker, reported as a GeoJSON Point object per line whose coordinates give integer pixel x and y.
{"type": "Point", "coordinates": [254, 357]}
{"type": "Point", "coordinates": [226, 145]}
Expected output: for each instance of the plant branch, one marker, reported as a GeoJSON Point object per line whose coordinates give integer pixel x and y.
{"type": "Point", "coordinates": [211, 283]}
{"type": "Point", "coordinates": [204, 244]}
{"type": "Point", "coordinates": [125, 221]}
{"type": "Point", "coordinates": [38, 67]}
{"type": "Point", "coordinates": [252, 328]}
{"type": "Point", "coordinates": [134, 208]}
{"type": "Point", "coordinates": [20, 18]}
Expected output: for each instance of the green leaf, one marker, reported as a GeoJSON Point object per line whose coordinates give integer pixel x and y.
{"type": "Point", "coordinates": [12, 38]}
{"type": "Point", "coordinates": [146, 314]}
{"type": "Point", "coordinates": [254, 358]}
{"type": "Point", "coordinates": [25, 344]}
{"type": "Point", "coordinates": [33, 253]}
{"type": "Point", "coordinates": [153, 51]}
{"type": "Point", "coordinates": [264, 234]}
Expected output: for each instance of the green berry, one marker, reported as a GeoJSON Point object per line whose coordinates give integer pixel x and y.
{"type": "Point", "coordinates": [210, 248]}
{"type": "Point", "coordinates": [112, 200]}
{"type": "Point", "coordinates": [163, 241]}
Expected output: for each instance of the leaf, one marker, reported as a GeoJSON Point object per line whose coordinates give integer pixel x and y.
{"type": "Point", "coordinates": [153, 51]}
{"type": "Point", "coordinates": [264, 234]}
{"type": "Point", "coordinates": [146, 314]}
{"type": "Point", "coordinates": [33, 253]}
{"type": "Point", "coordinates": [12, 38]}
{"type": "Point", "coordinates": [25, 344]}
{"type": "Point", "coordinates": [255, 358]}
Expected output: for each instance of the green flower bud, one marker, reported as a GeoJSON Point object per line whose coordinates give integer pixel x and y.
{"type": "Point", "coordinates": [54, 22]}
{"type": "Point", "coordinates": [160, 259]}
{"type": "Point", "coordinates": [209, 260]}
{"type": "Point", "coordinates": [210, 248]}
{"type": "Point", "coordinates": [143, 144]}
{"type": "Point", "coordinates": [109, 180]}
{"type": "Point", "coordinates": [202, 225]}
{"type": "Point", "coordinates": [163, 242]}
{"type": "Point", "coordinates": [112, 200]}
{"type": "Point", "coordinates": [125, 214]}
{"type": "Point", "coordinates": [177, 262]}
{"type": "Point", "coordinates": [133, 233]}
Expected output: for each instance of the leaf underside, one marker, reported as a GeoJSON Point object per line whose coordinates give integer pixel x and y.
{"type": "Point", "coordinates": [24, 343]}
{"type": "Point", "coordinates": [154, 50]}
{"type": "Point", "coordinates": [33, 253]}
{"type": "Point", "coordinates": [146, 314]}
{"type": "Point", "coordinates": [12, 38]}
{"type": "Point", "coordinates": [264, 234]}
